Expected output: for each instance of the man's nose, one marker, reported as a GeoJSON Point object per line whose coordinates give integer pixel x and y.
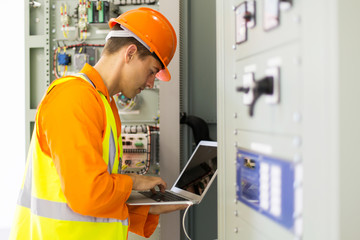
{"type": "Point", "coordinates": [150, 82]}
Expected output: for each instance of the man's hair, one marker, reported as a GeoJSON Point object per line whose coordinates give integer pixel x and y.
{"type": "Point", "coordinates": [114, 44]}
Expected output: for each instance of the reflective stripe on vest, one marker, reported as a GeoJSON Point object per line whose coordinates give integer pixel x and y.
{"type": "Point", "coordinates": [42, 211]}
{"type": "Point", "coordinates": [51, 209]}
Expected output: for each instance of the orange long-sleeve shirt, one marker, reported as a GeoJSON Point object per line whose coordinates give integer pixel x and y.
{"type": "Point", "coordinates": [71, 124]}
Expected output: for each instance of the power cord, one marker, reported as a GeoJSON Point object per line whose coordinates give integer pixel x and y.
{"type": "Point", "coordinates": [183, 221]}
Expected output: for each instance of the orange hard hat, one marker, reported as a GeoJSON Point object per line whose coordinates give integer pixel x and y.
{"type": "Point", "coordinates": [155, 30]}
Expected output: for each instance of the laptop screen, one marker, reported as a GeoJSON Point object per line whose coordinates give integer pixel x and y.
{"type": "Point", "coordinates": [199, 171]}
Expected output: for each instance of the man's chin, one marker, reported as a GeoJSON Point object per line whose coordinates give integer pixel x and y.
{"type": "Point", "coordinates": [129, 95]}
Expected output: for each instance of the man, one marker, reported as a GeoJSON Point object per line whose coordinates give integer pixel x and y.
{"type": "Point", "coordinates": [72, 188]}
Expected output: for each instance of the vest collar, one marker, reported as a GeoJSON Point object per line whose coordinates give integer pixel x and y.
{"type": "Point", "coordinates": [95, 77]}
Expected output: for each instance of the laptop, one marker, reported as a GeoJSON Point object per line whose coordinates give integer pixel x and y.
{"type": "Point", "coordinates": [191, 185]}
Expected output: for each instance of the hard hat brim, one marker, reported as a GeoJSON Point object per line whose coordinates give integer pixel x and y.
{"type": "Point", "coordinates": [164, 75]}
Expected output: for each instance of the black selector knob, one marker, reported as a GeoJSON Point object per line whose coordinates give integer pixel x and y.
{"type": "Point", "coordinates": [260, 87]}
{"type": "Point", "coordinates": [263, 86]}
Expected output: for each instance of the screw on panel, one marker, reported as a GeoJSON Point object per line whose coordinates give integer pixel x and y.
{"type": "Point", "coordinates": [236, 213]}
{"type": "Point", "coordinates": [234, 46]}
{"type": "Point", "coordinates": [236, 230]}
{"type": "Point", "coordinates": [235, 76]}
{"type": "Point", "coordinates": [235, 132]}
{"type": "Point", "coordinates": [235, 115]}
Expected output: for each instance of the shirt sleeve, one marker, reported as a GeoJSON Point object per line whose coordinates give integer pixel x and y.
{"type": "Point", "coordinates": [141, 222]}
{"type": "Point", "coordinates": [71, 124]}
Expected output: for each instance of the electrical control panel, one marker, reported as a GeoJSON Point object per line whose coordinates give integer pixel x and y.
{"type": "Point", "coordinates": [139, 155]}
{"type": "Point", "coordinates": [288, 129]}
{"type": "Point", "coordinates": [135, 149]}
{"type": "Point", "coordinates": [260, 107]}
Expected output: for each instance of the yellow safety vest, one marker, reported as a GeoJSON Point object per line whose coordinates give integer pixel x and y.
{"type": "Point", "coordinates": [42, 211]}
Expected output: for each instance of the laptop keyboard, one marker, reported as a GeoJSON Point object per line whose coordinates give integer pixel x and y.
{"type": "Point", "coordinates": [163, 196]}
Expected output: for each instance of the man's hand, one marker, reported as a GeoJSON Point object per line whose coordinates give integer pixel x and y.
{"type": "Point", "coordinates": [160, 209]}
{"type": "Point", "coordinates": [143, 183]}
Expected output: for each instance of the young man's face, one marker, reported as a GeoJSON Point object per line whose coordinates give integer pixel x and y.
{"type": "Point", "coordinates": [141, 73]}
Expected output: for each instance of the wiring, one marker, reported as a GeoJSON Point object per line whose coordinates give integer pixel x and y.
{"type": "Point", "coordinates": [83, 19]}
{"type": "Point", "coordinates": [125, 104]}
{"type": "Point", "coordinates": [183, 220]}
{"type": "Point", "coordinates": [56, 74]}
{"type": "Point", "coordinates": [64, 20]}
{"type": "Point", "coordinates": [147, 167]}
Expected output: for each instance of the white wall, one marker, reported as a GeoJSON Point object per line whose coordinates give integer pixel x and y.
{"type": "Point", "coordinates": [12, 110]}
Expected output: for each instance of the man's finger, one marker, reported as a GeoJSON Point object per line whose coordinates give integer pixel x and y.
{"type": "Point", "coordinates": [162, 187]}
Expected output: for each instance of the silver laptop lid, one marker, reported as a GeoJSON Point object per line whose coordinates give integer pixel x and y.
{"type": "Point", "coordinates": [199, 172]}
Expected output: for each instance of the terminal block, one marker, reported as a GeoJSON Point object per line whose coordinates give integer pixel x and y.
{"type": "Point", "coordinates": [98, 12]}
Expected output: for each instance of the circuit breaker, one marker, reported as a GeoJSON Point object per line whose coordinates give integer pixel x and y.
{"type": "Point", "coordinates": [283, 137]}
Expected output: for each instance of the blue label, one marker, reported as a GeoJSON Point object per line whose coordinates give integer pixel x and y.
{"type": "Point", "coordinates": [266, 184]}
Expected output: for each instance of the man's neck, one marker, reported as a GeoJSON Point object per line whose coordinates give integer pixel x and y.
{"type": "Point", "coordinates": [109, 67]}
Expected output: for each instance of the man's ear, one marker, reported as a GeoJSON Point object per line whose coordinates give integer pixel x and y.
{"type": "Point", "coordinates": [130, 52]}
